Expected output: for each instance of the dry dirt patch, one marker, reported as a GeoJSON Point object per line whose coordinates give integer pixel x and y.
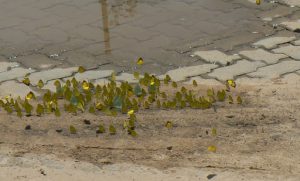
{"type": "Point", "coordinates": [259, 138]}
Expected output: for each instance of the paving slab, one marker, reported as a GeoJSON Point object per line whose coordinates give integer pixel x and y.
{"type": "Point", "coordinates": [292, 25]}
{"type": "Point", "coordinates": [273, 42]}
{"type": "Point", "coordinates": [276, 70]}
{"type": "Point", "coordinates": [215, 56]}
{"type": "Point", "coordinates": [262, 55]}
{"type": "Point", "coordinates": [52, 74]}
{"type": "Point", "coordinates": [290, 50]}
{"type": "Point", "coordinates": [292, 2]}
{"type": "Point", "coordinates": [297, 43]}
{"type": "Point", "coordinates": [123, 77]}
{"type": "Point", "coordinates": [93, 74]}
{"type": "Point", "coordinates": [50, 85]}
{"type": "Point", "coordinates": [14, 73]}
{"type": "Point", "coordinates": [183, 73]}
{"type": "Point", "coordinates": [240, 68]}
{"type": "Point", "coordinates": [5, 66]}
{"type": "Point", "coordinates": [15, 89]}
{"type": "Point", "coordinates": [37, 61]}
{"type": "Point", "coordinates": [101, 82]}
{"type": "Point", "coordinates": [202, 81]}
{"type": "Point", "coordinates": [251, 81]}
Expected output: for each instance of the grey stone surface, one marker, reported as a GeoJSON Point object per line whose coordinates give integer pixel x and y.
{"type": "Point", "coordinates": [272, 42]}
{"type": "Point", "coordinates": [215, 56]}
{"type": "Point", "coordinates": [262, 55]}
{"type": "Point", "coordinates": [202, 81]}
{"type": "Point", "coordinates": [276, 70]}
{"type": "Point", "coordinates": [181, 74]}
{"type": "Point", "coordinates": [93, 74]}
{"type": "Point", "coordinates": [5, 66]}
{"type": "Point", "coordinates": [292, 25]}
{"type": "Point", "coordinates": [15, 89]}
{"type": "Point", "coordinates": [14, 73]}
{"type": "Point", "coordinates": [52, 74]}
{"type": "Point", "coordinates": [290, 50]}
{"type": "Point", "coordinates": [240, 68]}
{"type": "Point", "coordinates": [84, 32]}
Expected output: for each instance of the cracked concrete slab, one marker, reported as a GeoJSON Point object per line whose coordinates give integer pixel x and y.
{"type": "Point", "coordinates": [181, 74]}
{"type": "Point", "coordinates": [215, 56]}
{"type": "Point", "coordinates": [14, 73]}
{"type": "Point", "coordinates": [37, 61]}
{"type": "Point", "coordinates": [262, 55]}
{"type": "Point", "coordinates": [51, 74]}
{"type": "Point", "coordinates": [290, 50]}
{"type": "Point", "coordinates": [292, 25]}
{"type": "Point", "coordinates": [15, 89]}
{"type": "Point", "coordinates": [273, 42]}
{"type": "Point", "coordinates": [240, 68]}
{"type": "Point", "coordinates": [6, 66]}
{"type": "Point", "coordinates": [50, 85]}
{"type": "Point", "coordinates": [123, 77]}
{"type": "Point", "coordinates": [276, 70]}
{"type": "Point", "coordinates": [202, 81]}
{"type": "Point", "coordinates": [292, 2]}
{"type": "Point", "coordinates": [92, 75]}
{"type": "Point", "coordinates": [297, 43]}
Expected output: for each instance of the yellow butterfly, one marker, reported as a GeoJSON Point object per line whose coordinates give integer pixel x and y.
{"type": "Point", "coordinates": [140, 61]}
{"type": "Point", "coordinates": [258, 2]}
{"type": "Point", "coordinates": [85, 85]}
{"type": "Point", "coordinates": [130, 112]}
{"type": "Point", "coordinates": [30, 95]}
{"type": "Point", "coordinates": [231, 83]}
{"type": "Point", "coordinates": [26, 81]}
{"type": "Point", "coordinates": [212, 148]}
{"type": "Point", "coordinates": [81, 69]}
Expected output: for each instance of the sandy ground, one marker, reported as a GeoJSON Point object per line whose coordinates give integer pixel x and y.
{"type": "Point", "coordinates": [259, 140]}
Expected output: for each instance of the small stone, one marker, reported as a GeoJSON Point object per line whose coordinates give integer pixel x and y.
{"type": "Point", "coordinates": [215, 56]}
{"type": "Point", "coordinates": [210, 176]}
{"type": "Point", "coordinates": [169, 147]}
{"type": "Point", "coordinates": [229, 116]}
{"type": "Point", "coordinates": [28, 127]}
{"type": "Point", "coordinates": [58, 130]}
{"type": "Point", "coordinates": [87, 122]}
{"type": "Point", "coordinates": [273, 42]}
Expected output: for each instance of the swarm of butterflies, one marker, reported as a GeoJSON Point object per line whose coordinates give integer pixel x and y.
{"type": "Point", "coordinates": [112, 99]}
